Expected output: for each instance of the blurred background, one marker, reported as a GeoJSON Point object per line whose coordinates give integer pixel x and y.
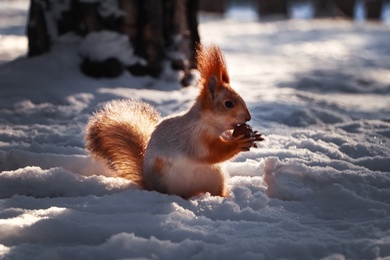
{"type": "Point", "coordinates": [266, 10]}
{"type": "Point", "coordinates": [156, 32]}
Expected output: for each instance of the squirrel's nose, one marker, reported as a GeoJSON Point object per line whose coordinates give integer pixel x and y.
{"type": "Point", "coordinates": [248, 117]}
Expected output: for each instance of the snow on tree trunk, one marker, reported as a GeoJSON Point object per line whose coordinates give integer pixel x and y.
{"type": "Point", "coordinates": [134, 35]}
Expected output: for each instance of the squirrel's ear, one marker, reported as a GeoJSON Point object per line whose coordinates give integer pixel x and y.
{"type": "Point", "coordinates": [212, 85]}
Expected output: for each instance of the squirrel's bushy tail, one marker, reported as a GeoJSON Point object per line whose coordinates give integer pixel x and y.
{"type": "Point", "coordinates": [119, 133]}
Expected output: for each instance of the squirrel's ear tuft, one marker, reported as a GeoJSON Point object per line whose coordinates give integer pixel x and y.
{"type": "Point", "coordinates": [211, 64]}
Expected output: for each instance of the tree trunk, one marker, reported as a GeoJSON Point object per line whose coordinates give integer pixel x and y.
{"type": "Point", "coordinates": [38, 37]}
{"type": "Point", "coordinates": [214, 6]}
{"type": "Point", "coordinates": [157, 31]}
{"type": "Point", "coordinates": [345, 8]}
{"type": "Point", "coordinates": [272, 8]}
{"type": "Point", "coordinates": [373, 9]}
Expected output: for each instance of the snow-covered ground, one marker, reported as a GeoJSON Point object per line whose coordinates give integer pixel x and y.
{"type": "Point", "coordinates": [318, 186]}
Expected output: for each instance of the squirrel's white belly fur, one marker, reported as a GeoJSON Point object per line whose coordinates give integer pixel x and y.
{"type": "Point", "coordinates": [183, 176]}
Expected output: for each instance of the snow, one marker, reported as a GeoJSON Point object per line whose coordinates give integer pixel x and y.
{"type": "Point", "coordinates": [317, 188]}
{"type": "Point", "coordinates": [99, 46]}
{"type": "Point", "coordinates": [301, 10]}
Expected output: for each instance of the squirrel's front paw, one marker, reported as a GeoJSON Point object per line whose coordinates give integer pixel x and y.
{"type": "Point", "coordinates": [244, 143]}
{"type": "Point", "coordinates": [245, 131]}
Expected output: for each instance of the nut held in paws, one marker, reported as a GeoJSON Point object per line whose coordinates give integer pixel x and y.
{"type": "Point", "coordinates": [243, 129]}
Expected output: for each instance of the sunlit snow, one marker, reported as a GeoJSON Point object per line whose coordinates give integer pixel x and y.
{"type": "Point", "coordinates": [318, 187]}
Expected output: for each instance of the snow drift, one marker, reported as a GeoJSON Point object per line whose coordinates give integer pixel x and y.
{"type": "Point", "coordinates": [318, 186]}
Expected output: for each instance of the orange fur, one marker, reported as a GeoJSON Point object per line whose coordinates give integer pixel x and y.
{"type": "Point", "coordinates": [118, 134]}
{"type": "Point", "coordinates": [211, 62]}
{"type": "Point", "coordinates": [219, 149]}
{"type": "Point", "coordinates": [211, 66]}
{"type": "Point", "coordinates": [159, 165]}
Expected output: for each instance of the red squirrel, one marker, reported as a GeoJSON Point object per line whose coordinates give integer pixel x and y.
{"type": "Point", "coordinates": [181, 154]}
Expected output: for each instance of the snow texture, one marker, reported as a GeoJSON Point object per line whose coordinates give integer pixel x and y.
{"type": "Point", "coordinates": [317, 188]}
{"type": "Point", "coordinates": [102, 45]}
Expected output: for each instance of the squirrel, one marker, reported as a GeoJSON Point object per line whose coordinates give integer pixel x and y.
{"type": "Point", "coordinates": [181, 154]}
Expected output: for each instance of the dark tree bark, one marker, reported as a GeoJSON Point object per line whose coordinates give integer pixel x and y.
{"type": "Point", "coordinates": [345, 8]}
{"type": "Point", "coordinates": [192, 7]}
{"type": "Point", "coordinates": [324, 8]}
{"type": "Point", "coordinates": [38, 37]}
{"type": "Point", "coordinates": [373, 9]}
{"type": "Point", "coordinates": [157, 30]}
{"type": "Point", "coordinates": [214, 6]}
{"type": "Point", "coordinates": [272, 8]}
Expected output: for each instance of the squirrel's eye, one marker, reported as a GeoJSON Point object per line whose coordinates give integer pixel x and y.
{"type": "Point", "coordinates": [229, 104]}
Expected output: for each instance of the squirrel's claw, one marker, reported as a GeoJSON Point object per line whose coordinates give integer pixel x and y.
{"type": "Point", "coordinates": [258, 137]}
